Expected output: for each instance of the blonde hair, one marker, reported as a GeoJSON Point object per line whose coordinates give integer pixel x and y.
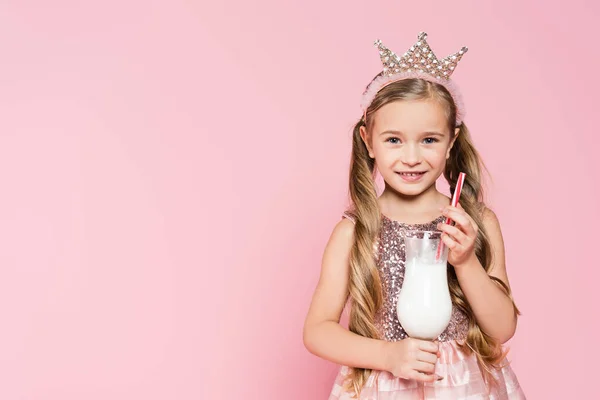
{"type": "Point", "coordinates": [364, 283]}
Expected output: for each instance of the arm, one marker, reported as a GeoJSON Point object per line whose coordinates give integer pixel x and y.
{"type": "Point", "coordinates": [492, 307]}
{"type": "Point", "coordinates": [323, 335]}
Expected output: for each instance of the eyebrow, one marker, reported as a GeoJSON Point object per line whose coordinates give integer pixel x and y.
{"type": "Point", "coordinates": [431, 133]}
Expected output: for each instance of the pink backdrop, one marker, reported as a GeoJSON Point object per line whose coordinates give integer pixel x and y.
{"type": "Point", "coordinates": [172, 170]}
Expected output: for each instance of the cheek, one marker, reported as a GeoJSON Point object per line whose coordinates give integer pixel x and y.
{"type": "Point", "coordinates": [382, 152]}
{"type": "Point", "coordinates": [437, 157]}
{"type": "Point", "coordinates": [385, 159]}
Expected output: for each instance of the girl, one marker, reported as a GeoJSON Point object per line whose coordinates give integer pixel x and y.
{"type": "Point", "coordinates": [411, 132]}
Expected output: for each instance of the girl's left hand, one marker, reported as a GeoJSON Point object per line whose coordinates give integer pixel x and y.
{"type": "Point", "coordinates": [459, 238]}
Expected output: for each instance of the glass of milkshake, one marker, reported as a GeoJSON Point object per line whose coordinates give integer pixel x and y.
{"type": "Point", "coordinates": [424, 304]}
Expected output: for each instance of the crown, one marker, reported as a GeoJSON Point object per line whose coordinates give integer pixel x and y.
{"type": "Point", "coordinates": [418, 62]}
{"type": "Point", "coordinates": [419, 58]}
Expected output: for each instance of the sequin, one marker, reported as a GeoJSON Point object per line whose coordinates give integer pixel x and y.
{"type": "Point", "coordinates": [390, 258]}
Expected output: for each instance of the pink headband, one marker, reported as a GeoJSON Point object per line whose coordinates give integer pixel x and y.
{"type": "Point", "coordinates": [383, 80]}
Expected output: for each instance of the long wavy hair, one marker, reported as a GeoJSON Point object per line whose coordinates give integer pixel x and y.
{"type": "Point", "coordinates": [365, 291]}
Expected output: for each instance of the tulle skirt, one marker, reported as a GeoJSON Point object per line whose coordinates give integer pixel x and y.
{"type": "Point", "coordinates": [462, 380]}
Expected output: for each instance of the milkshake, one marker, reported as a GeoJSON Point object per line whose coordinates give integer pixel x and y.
{"type": "Point", "coordinates": [424, 305]}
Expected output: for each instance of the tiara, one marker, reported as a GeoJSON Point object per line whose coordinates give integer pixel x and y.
{"type": "Point", "coordinates": [417, 62]}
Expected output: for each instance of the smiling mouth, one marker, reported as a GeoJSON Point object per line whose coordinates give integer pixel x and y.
{"type": "Point", "coordinates": [411, 176]}
{"type": "Point", "coordinates": [410, 173]}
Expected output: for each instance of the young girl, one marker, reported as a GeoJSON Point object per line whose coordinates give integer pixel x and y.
{"type": "Point", "coordinates": [411, 132]}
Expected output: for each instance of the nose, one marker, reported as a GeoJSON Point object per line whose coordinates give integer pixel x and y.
{"type": "Point", "coordinates": [411, 155]}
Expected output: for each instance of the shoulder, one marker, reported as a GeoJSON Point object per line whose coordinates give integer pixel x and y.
{"type": "Point", "coordinates": [491, 224]}
{"type": "Point", "coordinates": [497, 266]}
{"type": "Point", "coordinates": [490, 219]}
{"type": "Point", "coordinates": [338, 248]}
{"type": "Point", "coordinates": [342, 235]}
{"type": "Point", "coordinates": [345, 227]}
{"type": "Point", "coordinates": [349, 214]}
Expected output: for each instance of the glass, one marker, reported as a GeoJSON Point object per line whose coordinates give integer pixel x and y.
{"type": "Point", "coordinates": [424, 304]}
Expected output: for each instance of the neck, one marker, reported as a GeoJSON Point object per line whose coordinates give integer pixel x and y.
{"type": "Point", "coordinates": [427, 202]}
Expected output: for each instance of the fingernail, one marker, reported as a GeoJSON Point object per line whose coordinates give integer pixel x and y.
{"type": "Point", "coordinates": [437, 377]}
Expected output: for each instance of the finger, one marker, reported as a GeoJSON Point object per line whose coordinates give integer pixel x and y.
{"type": "Point", "coordinates": [424, 367]}
{"type": "Point", "coordinates": [421, 377]}
{"type": "Point", "coordinates": [426, 357]}
{"type": "Point", "coordinates": [474, 225]}
{"type": "Point", "coordinates": [448, 241]}
{"type": "Point", "coordinates": [460, 217]}
{"type": "Point", "coordinates": [430, 347]}
{"type": "Point", "coordinates": [458, 235]}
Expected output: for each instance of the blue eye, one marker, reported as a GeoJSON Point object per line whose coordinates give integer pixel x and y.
{"type": "Point", "coordinates": [391, 140]}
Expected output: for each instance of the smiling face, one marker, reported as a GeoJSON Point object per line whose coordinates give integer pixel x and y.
{"type": "Point", "coordinates": [410, 142]}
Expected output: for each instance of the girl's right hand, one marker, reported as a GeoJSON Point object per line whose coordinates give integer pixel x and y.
{"type": "Point", "coordinates": [413, 359]}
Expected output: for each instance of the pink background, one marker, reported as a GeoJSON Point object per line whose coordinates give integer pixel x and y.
{"type": "Point", "coordinates": [171, 172]}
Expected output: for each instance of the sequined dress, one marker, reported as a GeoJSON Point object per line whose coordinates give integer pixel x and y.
{"type": "Point", "coordinates": [462, 378]}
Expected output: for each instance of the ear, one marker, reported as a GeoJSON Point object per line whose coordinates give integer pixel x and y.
{"type": "Point", "coordinates": [456, 131]}
{"type": "Point", "coordinates": [366, 139]}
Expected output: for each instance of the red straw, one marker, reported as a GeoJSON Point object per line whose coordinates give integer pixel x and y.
{"type": "Point", "coordinates": [459, 185]}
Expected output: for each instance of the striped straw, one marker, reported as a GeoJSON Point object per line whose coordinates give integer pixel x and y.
{"type": "Point", "coordinates": [459, 185]}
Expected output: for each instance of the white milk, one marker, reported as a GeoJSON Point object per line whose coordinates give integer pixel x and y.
{"type": "Point", "coordinates": [424, 305]}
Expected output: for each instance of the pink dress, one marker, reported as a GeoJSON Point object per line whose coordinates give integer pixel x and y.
{"type": "Point", "coordinates": [462, 378]}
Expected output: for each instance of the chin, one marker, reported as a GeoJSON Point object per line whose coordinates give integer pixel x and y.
{"type": "Point", "coordinates": [412, 189]}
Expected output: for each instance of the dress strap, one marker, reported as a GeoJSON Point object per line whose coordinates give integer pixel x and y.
{"type": "Point", "coordinates": [349, 215]}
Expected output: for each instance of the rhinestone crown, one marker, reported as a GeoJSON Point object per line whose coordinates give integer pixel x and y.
{"type": "Point", "coordinates": [419, 58]}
